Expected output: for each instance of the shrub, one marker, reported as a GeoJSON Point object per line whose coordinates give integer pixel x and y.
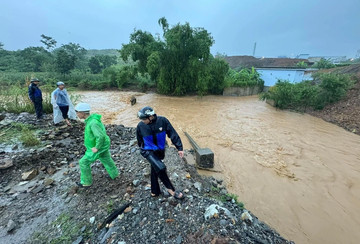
{"type": "Point", "coordinates": [331, 88]}
{"type": "Point", "coordinates": [244, 78]}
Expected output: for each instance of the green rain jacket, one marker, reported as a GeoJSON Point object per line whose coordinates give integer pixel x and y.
{"type": "Point", "coordinates": [95, 136]}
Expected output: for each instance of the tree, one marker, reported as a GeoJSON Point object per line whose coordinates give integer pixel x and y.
{"type": "Point", "coordinates": [78, 52]}
{"type": "Point", "coordinates": [184, 59]}
{"type": "Point", "coordinates": [100, 62]}
{"type": "Point", "coordinates": [65, 62]}
{"type": "Point", "coordinates": [94, 65]}
{"type": "Point", "coordinates": [48, 41]}
{"type": "Point", "coordinates": [33, 59]}
{"type": "Point", "coordinates": [141, 45]}
{"type": "Point", "coordinates": [153, 65]}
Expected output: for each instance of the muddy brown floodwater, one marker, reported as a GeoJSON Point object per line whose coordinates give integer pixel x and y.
{"type": "Point", "coordinates": [297, 173]}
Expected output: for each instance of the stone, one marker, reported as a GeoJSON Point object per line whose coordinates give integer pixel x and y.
{"type": "Point", "coordinates": [29, 175]}
{"type": "Point", "coordinates": [178, 239]}
{"type": "Point", "coordinates": [11, 225]}
{"type": "Point", "coordinates": [213, 211]}
{"type": "Point", "coordinates": [67, 200]}
{"type": "Point", "coordinates": [245, 216]}
{"type": "Point", "coordinates": [6, 163]}
{"type": "Point", "coordinates": [92, 220]}
{"type": "Point", "coordinates": [136, 182]}
{"type": "Point", "coordinates": [128, 209]}
{"type": "Point", "coordinates": [198, 186]}
{"type": "Point", "coordinates": [48, 181]}
{"type": "Point", "coordinates": [135, 211]}
{"type": "Point", "coordinates": [38, 189]}
{"type": "Point", "coordinates": [63, 196]}
{"type": "Point", "coordinates": [78, 240]}
{"type": "Point", "coordinates": [50, 170]}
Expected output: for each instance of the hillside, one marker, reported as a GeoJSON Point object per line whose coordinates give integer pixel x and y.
{"type": "Point", "coordinates": [346, 112]}
{"type": "Point", "coordinates": [40, 202]}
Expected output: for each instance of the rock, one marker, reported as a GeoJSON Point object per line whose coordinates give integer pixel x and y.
{"type": "Point", "coordinates": [11, 225]}
{"type": "Point", "coordinates": [67, 200]}
{"type": "Point", "coordinates": [213, 211]}
{"type": "Point", "coordinates": [6, 163]}
{"type": "Point", "coordinates": [23, 183]}
{"type": "Point", "coordinates": [245, 216]}
{"type": "Point", "coordinates": [38, 189]}
{"type": "Point", "coordinates": [133, 100]}
{"type": "Point", "coordinates": [2, 117]}
{"type": "Point", "coordinates": [128, 209]}
{"type": "Point", "coordinates": [222, 222]}
{"type": "Point", "coordinates": [136, 182]}
{"type": "Point", "coordinates": [135, 211]}
{"type": "Point", "coordinates": [78, 240]}
{"type": "Point", "coordinates": [23, 196]}
{"type": "Point", "coordinates": [63, 196]}
{"type": "Point", "coordinates": [92, 220]}
{"type": "Point", "coordinates": [50, 170]}
{"type": "Point", "coordinates": [29, 175]}
{"type": "Point", "coordinates": [48, 181]}
{"type": "Point", "coordinates": [179, 239]}
{"type": "Point", "coordinates": [198, 186]}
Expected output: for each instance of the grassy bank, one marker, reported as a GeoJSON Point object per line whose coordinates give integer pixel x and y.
{"type": "Point", "coordinates": [325, 89]}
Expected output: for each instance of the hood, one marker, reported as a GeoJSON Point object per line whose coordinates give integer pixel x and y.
{"type": "Point", "coordinates": [92, 117]}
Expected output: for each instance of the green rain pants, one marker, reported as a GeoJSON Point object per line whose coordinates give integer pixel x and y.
{"type": "Point", "coordinates": [90, 157]}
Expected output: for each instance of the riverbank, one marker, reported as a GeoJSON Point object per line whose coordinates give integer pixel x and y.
{"type": "Point", "coordinates": [345, 113]}
{"type": "Point", "coordinates": [40, 202]}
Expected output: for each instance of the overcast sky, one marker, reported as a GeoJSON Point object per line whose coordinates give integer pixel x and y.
{"type": "Point", "coordinates": [279, 27]}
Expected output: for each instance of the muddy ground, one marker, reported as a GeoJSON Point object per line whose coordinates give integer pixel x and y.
{"type": "Point", "coordinates": [48, 207]}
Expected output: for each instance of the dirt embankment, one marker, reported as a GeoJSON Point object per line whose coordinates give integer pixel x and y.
{"type": "Point", "coordinates": [346, 112]}
{"type": "Point", "coordinates": [46, 206]}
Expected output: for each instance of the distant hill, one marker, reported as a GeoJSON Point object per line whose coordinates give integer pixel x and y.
{"type": "Point", "coordinates": [94, 52]}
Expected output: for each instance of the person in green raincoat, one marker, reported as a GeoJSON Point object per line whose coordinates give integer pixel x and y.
{"type": "Point", "coordinates": [97, 144]}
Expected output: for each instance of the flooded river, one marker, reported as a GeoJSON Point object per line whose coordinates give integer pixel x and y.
{"type": "Point", "coordinates": [295, 172]}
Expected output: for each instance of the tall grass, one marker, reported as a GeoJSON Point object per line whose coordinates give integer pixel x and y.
{"type": "Point", "coordinates": [14, 99]}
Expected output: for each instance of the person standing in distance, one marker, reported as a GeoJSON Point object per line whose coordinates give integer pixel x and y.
{"type": "Point", "coordinates": [35, 96]}
{"type": "Point", "coordinates": [151, 137]}
{"type": "Point", "coordinates": [62, 105]}
{"type": "Point", "coordinates": [97, 144]}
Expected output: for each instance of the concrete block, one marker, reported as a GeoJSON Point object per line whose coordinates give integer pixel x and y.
{"type": "Point", "coordinates": [204, 158]}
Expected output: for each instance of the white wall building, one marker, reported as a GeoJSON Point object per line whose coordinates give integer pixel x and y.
{"type": "Point", "coordinates": [272, 75]}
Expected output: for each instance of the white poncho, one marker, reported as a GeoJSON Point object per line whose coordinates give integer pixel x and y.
{"type": "Point", "coordinates": [57, 112]}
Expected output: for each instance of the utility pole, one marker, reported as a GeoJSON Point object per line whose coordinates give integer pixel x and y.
{"type": "Point", "coordinates": [254, 49]}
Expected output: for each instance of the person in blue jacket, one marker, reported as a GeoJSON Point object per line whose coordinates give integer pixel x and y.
{"type": "Point", "coordinates": [35, 96]}
{"type": "Point", "coordinates": [151, 137]}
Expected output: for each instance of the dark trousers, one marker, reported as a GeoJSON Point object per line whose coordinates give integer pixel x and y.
{"type": "Point", "coordinates": [38, 108]}
{"type": "Point", "coordinates": [64, 110]}
{"type": "Point", "coordinates": [155, 188]}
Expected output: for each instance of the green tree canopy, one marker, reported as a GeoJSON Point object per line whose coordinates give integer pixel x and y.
{"type": "Point", "coordinates": [65, 62]}
{"type": "Point", "coordinates": [141, 45]}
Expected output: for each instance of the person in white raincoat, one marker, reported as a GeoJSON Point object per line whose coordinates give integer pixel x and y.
{"type": "Point", "coordinates": [62, 106]}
